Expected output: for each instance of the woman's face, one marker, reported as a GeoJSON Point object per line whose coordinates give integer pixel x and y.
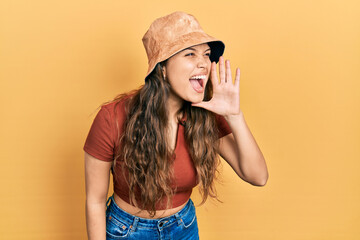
{"type": "Point", "coordinates": [188, 72]}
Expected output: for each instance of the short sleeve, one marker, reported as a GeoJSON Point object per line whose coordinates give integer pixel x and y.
{"type": "Point", "coordinates": [99, 142]}
{"type": "Point", "coordinates": [223, 126]}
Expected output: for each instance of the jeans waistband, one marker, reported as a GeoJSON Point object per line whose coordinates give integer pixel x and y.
{"type": "Point", "coordinates": [146, 222]}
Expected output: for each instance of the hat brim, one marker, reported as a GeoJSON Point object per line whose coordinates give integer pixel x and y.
{"type": "Point", "coordinates": [194, 38]}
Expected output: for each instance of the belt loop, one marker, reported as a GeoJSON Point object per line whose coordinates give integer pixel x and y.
{"type": "Point", "coordinates": [134, 225]}
{"type": "Point", "coordinates": [110, 198]}
{"type": "Point", "coordinates": [178, 218]}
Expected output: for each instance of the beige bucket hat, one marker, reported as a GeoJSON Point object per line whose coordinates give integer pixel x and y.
{"type": "Point", "coordinates": [172, 33]}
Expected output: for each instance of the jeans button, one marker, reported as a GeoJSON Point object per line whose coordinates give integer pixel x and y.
{"type": "Point", "coordinates": [161, 224]}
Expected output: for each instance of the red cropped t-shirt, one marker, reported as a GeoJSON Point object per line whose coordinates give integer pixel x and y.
{"type": "Point", "coordinates": [102, 143]}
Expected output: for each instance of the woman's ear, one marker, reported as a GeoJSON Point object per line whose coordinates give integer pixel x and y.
{"type": "Point", "coordinates": [163, 70]}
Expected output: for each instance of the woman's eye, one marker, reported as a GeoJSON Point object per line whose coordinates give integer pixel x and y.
{"type": "Point", "coordinates": [193, 54]}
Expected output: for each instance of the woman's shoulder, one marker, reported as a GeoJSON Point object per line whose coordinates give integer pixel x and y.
{"type": "Point", "coordinates": [223, 126]}
{"type": "Point", "coordinates": [114, 105]}
{"type": "Point", "coordinates": [118, 105]}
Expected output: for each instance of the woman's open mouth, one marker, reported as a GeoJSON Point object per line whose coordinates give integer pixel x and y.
{"type": "Point", "coordinates": [197, 82]}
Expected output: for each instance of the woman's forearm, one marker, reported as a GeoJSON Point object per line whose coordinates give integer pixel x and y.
{"type": "Point", "coordinates": [251, 159]}
{"type": "Point", "coordinates": [97, 177]}
{"type": "Point", "coordinates": [95, 220]}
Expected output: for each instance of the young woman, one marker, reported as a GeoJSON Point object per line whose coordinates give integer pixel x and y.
{"type": "Point", "coordinates": [163, 139]}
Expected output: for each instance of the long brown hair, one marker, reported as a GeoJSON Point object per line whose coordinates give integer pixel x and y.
{"type": "Point", "coordinates": [144, 149]}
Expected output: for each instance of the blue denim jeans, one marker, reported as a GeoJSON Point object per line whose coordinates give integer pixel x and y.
{"type": "Point", "coordinates": [122, 225]}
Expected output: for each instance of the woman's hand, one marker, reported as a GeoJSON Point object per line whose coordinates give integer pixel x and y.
{"type": "Point", "coordinates": [226, 94]}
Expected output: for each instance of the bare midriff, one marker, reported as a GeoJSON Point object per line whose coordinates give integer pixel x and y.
{"type": "Point", "coordinates": [143, 213]}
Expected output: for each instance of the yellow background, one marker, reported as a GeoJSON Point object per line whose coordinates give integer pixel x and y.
{"type": "Point", "coordinates": [300, 83]}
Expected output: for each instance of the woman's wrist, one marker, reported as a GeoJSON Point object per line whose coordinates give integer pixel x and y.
{"type": "Point", "coordinates": [234, 117]}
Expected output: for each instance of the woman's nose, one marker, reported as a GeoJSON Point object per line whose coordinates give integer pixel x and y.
{"type": "Point", "coordinates": [203, 62]}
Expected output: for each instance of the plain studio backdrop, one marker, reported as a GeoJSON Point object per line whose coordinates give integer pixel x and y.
{"type": "Point", "coordinates": [299, 91]}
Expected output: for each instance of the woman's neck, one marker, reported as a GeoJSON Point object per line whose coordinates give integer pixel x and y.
{"type": "Point", "coordinates": [174, 104]}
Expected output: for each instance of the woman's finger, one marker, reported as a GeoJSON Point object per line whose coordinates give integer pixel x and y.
{"type": "Point", "coordinates": [237, 77]}
{"type": "Point", "coordinates": [222, 70]}
{"type": "Point", "coordinates": [228, 71]}
{"type": "Point", "coordinates": [213, 73]}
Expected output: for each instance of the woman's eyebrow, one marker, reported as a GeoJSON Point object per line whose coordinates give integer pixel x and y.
{"type": "Point", "coordinates": [190, 48]}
